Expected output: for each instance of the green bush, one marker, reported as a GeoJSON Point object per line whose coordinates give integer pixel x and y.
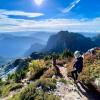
{"type": "Point", "coordinates": [45, 96]}
{"type": "Point", "coordinates": [38, 91]}
{"type": "Point", "coordinates": [49, 73]}
{"type": "Point", "coordinates": [66, 54]}
{"type": "Point", "coordinates": [36, 65]}
{"type": "Point", "coordinates": [38, 95]}
{"type": "Point", "coordinates": [13, 77]}
{"type": "Point", "coordinates": [0, 92]}
{"type": "Point", "coordinates": [46, 84]}
{"type": "Point", "coordinates": [15, 97]}
{"type": "Point", "coordinates": [5, 90]}
{"type": "Point", "coordinates": [17, 76]}
{"type": "Point", "coordinates": [1, 82]}
{"type": "Point", "coordinates": [36, 69]}
{"type": "Point", "coordinates": [63, 81]}
{"type": "Point", "coordinates": [48, 57]}
{"type": "Point", "coordinates": [50, 97]}
{"type": "Point", "coordinates": [91, 70]}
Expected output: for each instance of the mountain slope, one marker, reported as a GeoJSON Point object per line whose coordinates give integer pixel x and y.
{"type": "Point", "coordinates": [14, 46]}
{"type": "Point", "coordinates": [34, 48]}
{"type": "Point", "coordinates": [72, 41]}
{"type": "Point", "coordinates": [38, 80]}
{"type": "Point", "coordinates": [97, 40]}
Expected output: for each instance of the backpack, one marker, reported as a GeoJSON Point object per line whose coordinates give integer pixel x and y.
{"type": "Point", "coordinates": [79, 64]}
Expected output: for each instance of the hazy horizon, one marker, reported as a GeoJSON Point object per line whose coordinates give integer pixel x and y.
{"type": "Point", "coordinates": [32, 33]}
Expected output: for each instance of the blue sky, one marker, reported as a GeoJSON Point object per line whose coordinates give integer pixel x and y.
{"type": "Point", "coordinates": [51, 15]}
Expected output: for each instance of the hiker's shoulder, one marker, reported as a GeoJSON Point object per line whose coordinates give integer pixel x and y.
{"type": "Point", "coordinates": [80, 58]}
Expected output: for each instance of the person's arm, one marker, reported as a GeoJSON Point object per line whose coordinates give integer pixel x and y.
{"type": "Point", "coordinates": [74, 62]}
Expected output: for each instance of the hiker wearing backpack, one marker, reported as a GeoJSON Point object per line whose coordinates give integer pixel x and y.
{"type": "Point", "coordinates": [78, 65]}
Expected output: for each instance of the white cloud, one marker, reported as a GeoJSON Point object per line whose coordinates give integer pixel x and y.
{"type": "Point", "coordinates": [19, 13]}
{"type": "Point", "coordinates": [71, 6]}
{"type": "Point", "coordinates": [77, 25]}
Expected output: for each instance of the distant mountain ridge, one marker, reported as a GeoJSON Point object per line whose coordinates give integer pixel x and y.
{"type": "Point", "coordinates": [97, 40]}
{"type": "Point", "coordinates": [37, 47]}
{"type": "Point", "coordinates": [69, 40]}
{"type": "Point", "coordinates": [42, 35]}
{"type": "Point", "coordinates": [14, 46]}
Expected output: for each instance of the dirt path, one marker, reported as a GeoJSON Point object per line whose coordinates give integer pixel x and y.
{"type": "Point", "coordinates": [69, 91]}
{"type": "Point", "coordinates": [75, 91]}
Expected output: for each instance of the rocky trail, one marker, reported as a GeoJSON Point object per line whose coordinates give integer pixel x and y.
{"type": "Point", "coordinates": [72, 90]}
{"type": "Point", "coordinates": [67, 91]}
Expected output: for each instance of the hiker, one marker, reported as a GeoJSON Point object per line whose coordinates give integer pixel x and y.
{"type": "Point", "coordinates": [78, 65]}
{"type": "Point", "coordinates": [54, 62]}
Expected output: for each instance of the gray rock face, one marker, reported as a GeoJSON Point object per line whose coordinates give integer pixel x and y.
{"type": "Point", "coordinates": [68, 92]}
{"type": "Point", "coordinates": [67, 40]}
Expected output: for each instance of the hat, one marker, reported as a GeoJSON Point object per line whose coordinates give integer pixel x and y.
{"type": "Point", "coordinates": [77, 54]}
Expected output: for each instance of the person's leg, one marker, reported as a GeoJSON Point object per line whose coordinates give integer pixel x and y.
{"type": "Point", "coordinates": [73, 75]}
{"type": "Point", "coordinates": [76, 75]}
{"type": "Point", "coordinates": [58, 71]}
